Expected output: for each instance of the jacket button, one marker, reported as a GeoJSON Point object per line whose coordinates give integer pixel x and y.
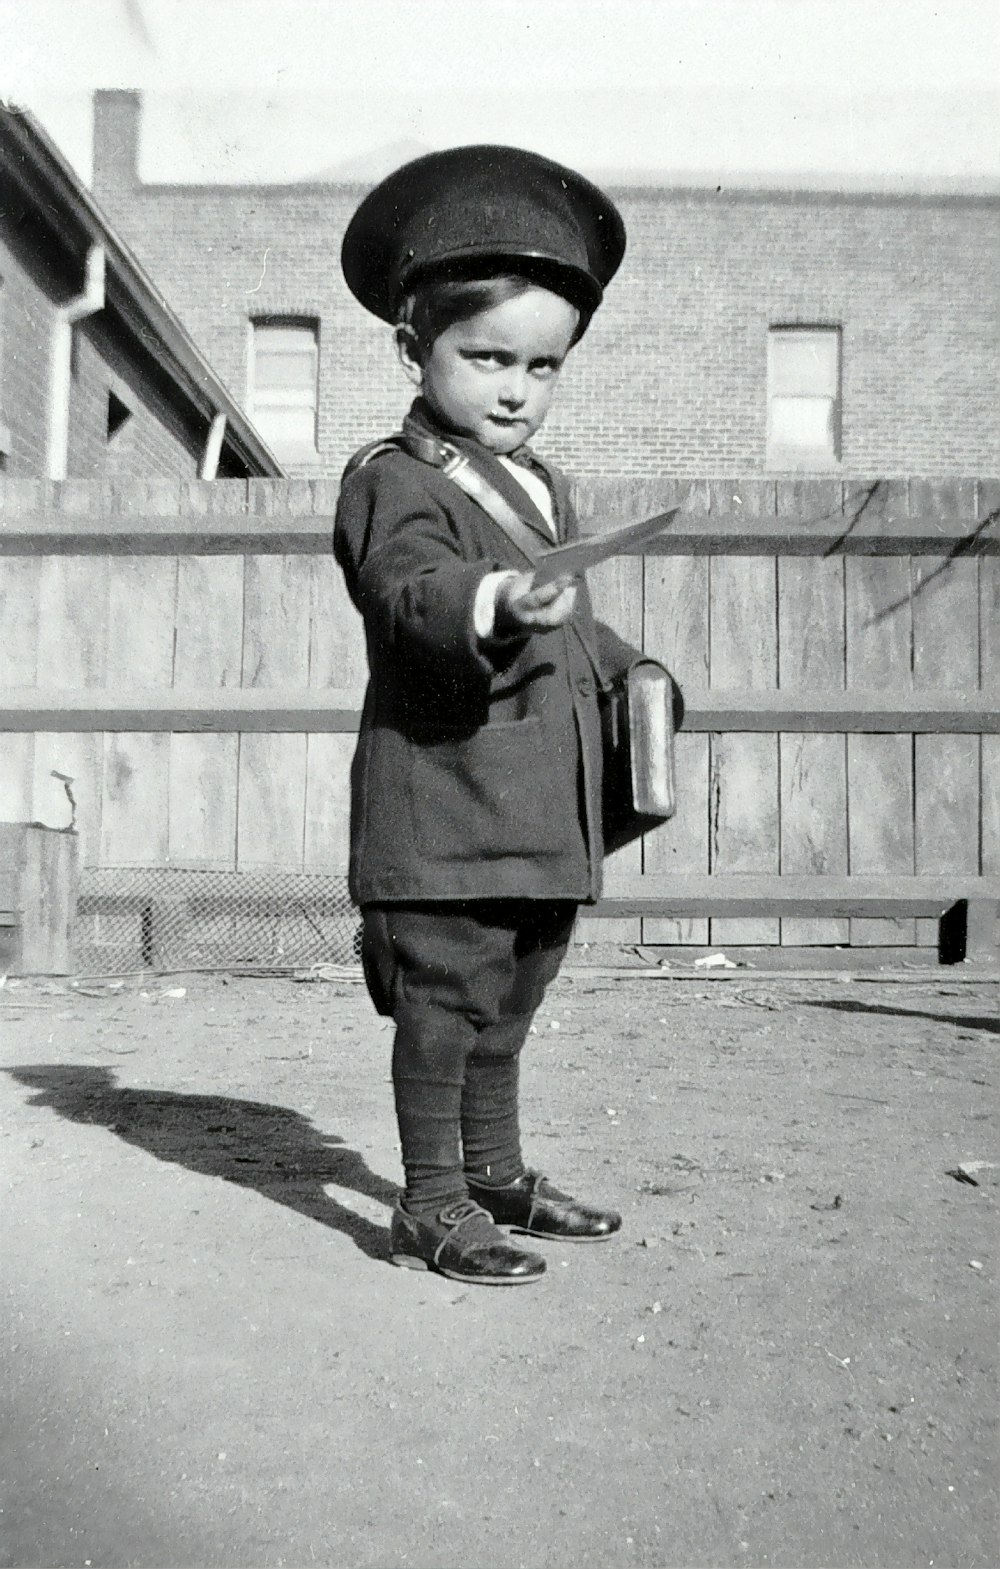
{"type": "Point", "coordinates": [585, 686]}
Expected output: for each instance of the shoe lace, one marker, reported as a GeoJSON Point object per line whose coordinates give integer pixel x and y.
{"type": "Point", "coordinates": [474, 1220]}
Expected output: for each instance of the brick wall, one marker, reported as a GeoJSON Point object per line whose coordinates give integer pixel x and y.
{"type": "Point", "coordinates": [151, 442]}
{"type": "Point", "coordinates": [671, 377]}
{"type": "Point", "coordinates": [25, 322]}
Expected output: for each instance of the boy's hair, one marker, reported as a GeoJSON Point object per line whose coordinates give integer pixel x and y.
{"type": "Point", "coordinates": [437, 303]}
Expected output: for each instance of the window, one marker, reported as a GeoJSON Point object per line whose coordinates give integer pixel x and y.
{"type": "Point", "coordinates": [118, 414]}
{"type": "Point", "coordinates": [803, 397]}
{"type": "Point", "coordinates": [284, 362]}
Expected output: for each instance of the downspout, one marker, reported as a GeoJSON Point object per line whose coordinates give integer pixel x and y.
{"type": "Point", "coordinates": [86, 304]}
{"type": "Point", "coordinates": [213, 448]}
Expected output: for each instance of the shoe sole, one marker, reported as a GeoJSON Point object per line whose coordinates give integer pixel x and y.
{"type": "Point", "coordinates": [558, 1236]}
{"type": "Point", "coordinates": [408, 1261]}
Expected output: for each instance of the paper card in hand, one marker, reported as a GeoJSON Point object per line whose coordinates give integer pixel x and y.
{"type": "Point", "coordinates": [572, 559]}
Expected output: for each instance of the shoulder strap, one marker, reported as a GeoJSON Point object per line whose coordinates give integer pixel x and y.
{"type": "Point", "coordinates": [452, 463]}
{"type": "Point", "coordinates": [457, 467]}
{"type": "Point", "coordinates": [374, 449]}
{"type": "Point", "coordinates": [496, 507]}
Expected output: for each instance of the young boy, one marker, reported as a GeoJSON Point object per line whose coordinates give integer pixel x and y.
{"type": "Point", "coordinates": [476, 786]}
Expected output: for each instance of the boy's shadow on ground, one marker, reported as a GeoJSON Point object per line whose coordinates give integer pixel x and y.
{"type": "Point", "coordinates": [269, 1148]}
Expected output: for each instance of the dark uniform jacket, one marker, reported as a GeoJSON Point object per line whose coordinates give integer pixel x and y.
{"type": "Point", "coordinates": [477, 773]}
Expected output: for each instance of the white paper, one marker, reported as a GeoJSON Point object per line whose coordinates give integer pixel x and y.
{"type": "Point", "coordinates": [572, 559]}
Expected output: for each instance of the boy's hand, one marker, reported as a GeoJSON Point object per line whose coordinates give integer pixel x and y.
{"type": "Point", "coordinates": [521, 607]}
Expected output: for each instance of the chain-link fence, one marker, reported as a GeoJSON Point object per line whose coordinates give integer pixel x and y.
{"type": "Point", "coordinates": [169, 918]}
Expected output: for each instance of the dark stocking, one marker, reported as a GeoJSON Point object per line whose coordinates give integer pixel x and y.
{"type": "Point", "coordinates": [491, 1139]}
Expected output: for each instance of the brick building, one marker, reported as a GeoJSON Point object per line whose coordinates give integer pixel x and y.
{"type": "Point", "coordinates": [750, 331]}
{"type": "Point", "coordinates": [98, 378]}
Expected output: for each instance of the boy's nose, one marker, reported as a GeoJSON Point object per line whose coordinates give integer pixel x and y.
{"type": "Point", "coordinates": [514, 391]}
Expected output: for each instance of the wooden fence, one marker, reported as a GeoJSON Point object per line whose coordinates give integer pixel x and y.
{"type": "Point", "coordinates": [181, 660]}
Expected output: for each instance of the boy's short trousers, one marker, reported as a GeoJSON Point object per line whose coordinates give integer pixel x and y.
{"type": "Point", "coordinates": [487, 959]}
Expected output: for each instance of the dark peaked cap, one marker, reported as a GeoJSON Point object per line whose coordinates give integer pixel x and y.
{"type": "Point", "coordinates": [454, 211]}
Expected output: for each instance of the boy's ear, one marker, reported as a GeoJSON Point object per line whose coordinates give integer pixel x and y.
{"type": "Point", "coordinates": [408, 353]}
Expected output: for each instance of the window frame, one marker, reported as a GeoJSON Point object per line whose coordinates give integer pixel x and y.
{"type": "Point", "coordinates": [784, 455]}
{"type": "Point", "coordinates": [302, 451]}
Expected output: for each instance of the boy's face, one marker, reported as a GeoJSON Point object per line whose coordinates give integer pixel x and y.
{"type": "Point", "coordinates": [492, 377]}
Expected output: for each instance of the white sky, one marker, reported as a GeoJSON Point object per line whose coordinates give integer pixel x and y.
{"type": "Point", "coordinates": [279, 89]}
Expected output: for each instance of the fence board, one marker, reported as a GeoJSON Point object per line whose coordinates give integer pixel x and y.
{"type": "Point", "coordinates": [675, 629]}
{"type": "Point", "coordinates": [327, 802]}
{"type": "Point", "coordinates": [142, 608]}
{"type": "Point", "coordinates": [617, 591]}
{"type": "Point", "coordinates": [17, 772]}
{"type": "Point", "coordinates": [336, 637]}
{"type": "Point", "coordinates": [276, 621]}
{"type": "Point", "coordinates": [271, 792]}
{"type": "Point", "coordinates": [272, 776]}
{"type": "Point", "coordinates": [813, 770]}
{"type": "Point", "coordinates": [19, 591]}
{"type": "Point", "coordinates": [136, 768]}
{"type": "Point", "coordinates": [750, 500]}
{"type": "Point", "coordinates": [73, 621]}
{"type": "Point", "coordinates": [610, 502]}
{"type": "Point", "coordinates": [681, 846]}
{"type": "Point", "coordinates": [946, 812]}
{"type": "Point", "coordinates": [337, 660]}
{"type": "Point", "coordinates": [676, 616]}
{"type": "Point", "coordinates": [945, 623]}
{"type": "Point", "coordinates": [989, 625]}
{"type": "Point", "coordinates": [135, 799]}
{"type": "Point", "coordinates": [879, 654]}
{"type": "Point", "coordinates": [814, 824]}
{"type": "Point", "coordinates": [946, 785]}
{"type": "Point", "coordinates": [72, 652]}
{"type": "Point", "coordinates": [945, 655]}
{"type": "Point", "coordinates": [879, 622]}
{"type": "Point", "coordinates": [990, 786]}
{"type": "Point", "coordinates": [209, 638]}
{"type": "Point", "coordinates": [811, 623]}
{"type": "Point", "coordinates": [204, 770]}
{"type": "Point", "coordinates": [744, 767]}
{"type": "Point", "coordinates": [19, 595]}
{"type": "Point", "coordinates": [81, 758]}
{"type": "Point", "coordinates": [743, 809]}
{"type": "Point", "coordinates": [880, 815]}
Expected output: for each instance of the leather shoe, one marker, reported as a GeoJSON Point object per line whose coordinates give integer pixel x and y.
{"type": "Point", "coordinates": [463, 1243]}
{"type": "Point", "coordinates": [533, 1206]}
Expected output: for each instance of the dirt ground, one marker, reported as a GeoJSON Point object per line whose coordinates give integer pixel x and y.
{"type": "Point", "coordinates": [787, 1357]}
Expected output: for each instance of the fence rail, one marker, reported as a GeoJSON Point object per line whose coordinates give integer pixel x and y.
{"type": "Point", "coordinates": [331, 712]}
{"type": "Point", "coordinates": [891, 533]}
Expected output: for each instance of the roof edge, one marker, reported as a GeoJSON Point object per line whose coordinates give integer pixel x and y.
{"type": "Point", "coordinates": [171, 345]}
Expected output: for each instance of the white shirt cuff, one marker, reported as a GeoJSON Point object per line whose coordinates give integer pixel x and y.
{"type": "Point", "coordinates": [484, 608]}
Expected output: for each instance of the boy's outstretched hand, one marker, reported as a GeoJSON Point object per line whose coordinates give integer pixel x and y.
{"type": "Point", "coordinates": [523, 607]}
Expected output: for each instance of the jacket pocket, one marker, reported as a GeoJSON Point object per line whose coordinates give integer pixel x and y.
{"type": "Point", "coordinates": [487, 795]}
